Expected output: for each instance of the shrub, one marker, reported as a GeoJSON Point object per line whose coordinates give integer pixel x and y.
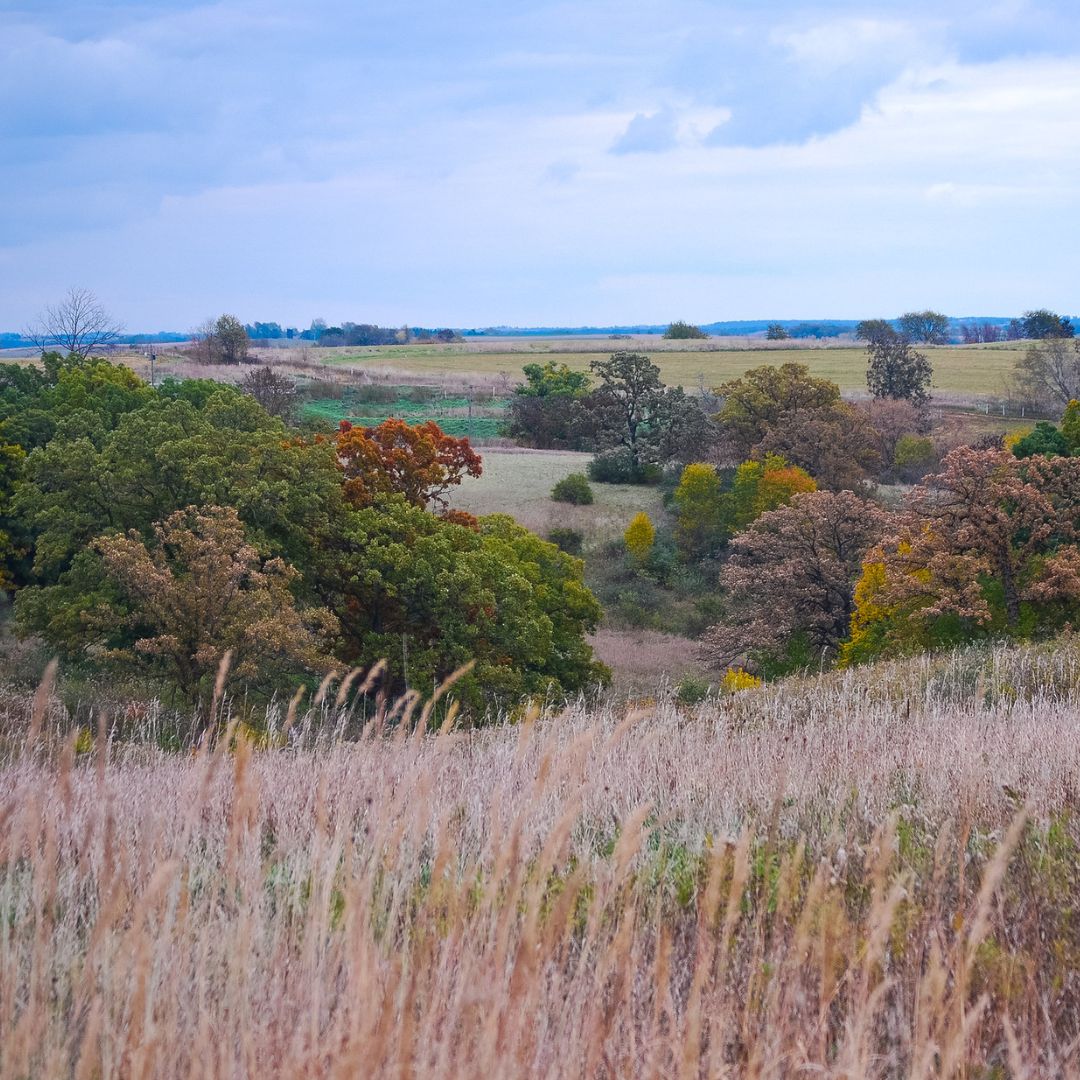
{"type": "Point", "coordinates": [913, 456]}
{"type": "Point", "coordinates": [640, 536]}
{"type": "Point", "coordinates": [573, 489]}
{"type": "Point", "coordinates": [736, 680]}
{"type": "Point", "coordinates": [691, 690]}
{"type": "Point", "coordinates": [569, 540]}
{"type": "Point", "coordinates": [684, 331]}
{"type": "Point", "coordinates": [699, 505]}
{"type": "Point", "coordinates": [617, 466]}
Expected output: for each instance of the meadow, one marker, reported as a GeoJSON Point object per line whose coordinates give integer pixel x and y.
{"type": "Point", "coordinates": [978, 371]}
{"type": "Point", "coordinates": [863, 874]}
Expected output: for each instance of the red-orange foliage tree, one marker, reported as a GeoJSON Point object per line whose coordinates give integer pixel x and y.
{"type": "Point", "coordinates": [420, 462]}
{"type": "Point", "coordinates": [988, 528]}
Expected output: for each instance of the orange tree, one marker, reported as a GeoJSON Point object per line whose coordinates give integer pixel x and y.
{"type": "Point", "coordinates": [987, 546]}
{"type": "Point", "coordinates": [418, 461]}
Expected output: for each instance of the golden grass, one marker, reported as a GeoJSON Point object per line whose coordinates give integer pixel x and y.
{"type": "Point", "coordinates": [823, 878]}
{"type": "Point", "coordinates": [962, 370]}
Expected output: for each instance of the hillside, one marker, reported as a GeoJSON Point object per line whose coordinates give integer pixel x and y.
{"type": "Point", "coordinates": [830, 875]}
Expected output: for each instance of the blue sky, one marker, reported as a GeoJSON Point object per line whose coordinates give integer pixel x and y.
{"type": "Point", "coordinates": [483, 162]}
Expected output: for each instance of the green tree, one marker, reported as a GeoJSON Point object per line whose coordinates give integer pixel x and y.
{"type": "Point", "coordinates": [699, 509]}
{"type": "Point", "coordinates": [756, 401]}
{"type": "Point", "coordinates": [544, 411]}
{"type": "Point", "coordinates": [232, 339]}
{"type": "Point", "coordinates": [1041, 324]}
{"type": "Point", "coordinates": [429, 596]}
{"type": "Point", "coordinates": [875, 330]}
{"type": "Point", "coordinates": [776, 332]}
{"type": "Point", "coordinates": [1070, 426]}
{"type": "Point", "coordinates": [1044, 439]}
{"type": "Point", "coordinates": [929, 327]}
{"type": "Point", "coordinates": [684, 331]}
{"type": "Point", "coordinates": [631, 410]}
{"type": "Point", "coordinates": [896, 370]}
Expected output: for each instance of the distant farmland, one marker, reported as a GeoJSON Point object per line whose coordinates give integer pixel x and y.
{"type": "Point", "coordinates": [976, 371]}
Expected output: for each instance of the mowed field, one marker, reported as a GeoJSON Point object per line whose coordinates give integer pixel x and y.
{"type": "Point", "coordinates": [519, 483]}
{"type": "Point", "coordinates": [978, 371]}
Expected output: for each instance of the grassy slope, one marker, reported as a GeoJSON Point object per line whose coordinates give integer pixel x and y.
{"type": "Point", "coordinates": [785, 883]}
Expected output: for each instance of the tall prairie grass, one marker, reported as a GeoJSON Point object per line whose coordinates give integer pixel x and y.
{"type": "Point", "coordinates": [870, 874]}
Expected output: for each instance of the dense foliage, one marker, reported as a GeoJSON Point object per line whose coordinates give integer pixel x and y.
{"type": "Point", "coordinates": [123, 508]}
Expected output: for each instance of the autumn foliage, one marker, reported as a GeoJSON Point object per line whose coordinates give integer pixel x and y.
{"type": "Point", "coordinates": [418, 461]}
{"type": "Point", "coordinates": [986, 546]}
{"type": "Point", "coordinates": [200, 589]}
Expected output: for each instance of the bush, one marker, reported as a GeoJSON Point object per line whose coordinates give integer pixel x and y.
{"type": "Point", "coordinates": [681, 331]}
{"type": "Point", "coordinates": [573, 489]}
{"type": "Point", "coordinates": [914, 456]}
{"type": "Point", "coordinates": [692, 690]}
{"type": "Point", "coordinates": [569, 540]}
{"type": "Point", "coordinates": [639, 537]}
{"type": "Point", "coordinates": [617, 466]}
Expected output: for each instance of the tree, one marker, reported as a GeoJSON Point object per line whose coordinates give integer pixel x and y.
{"type": "Point", "coordinates": [761, 486]}
{"type": "Point", "coordinates": [78, 325]}
{"type": "Point", "coordinates": [640, 536]}
{"type": "Point", "coordinates": [776, 332]}
{"type": "Point", "coordinates": [684, 331]}
{"type": "Point", "coordinates": [891, 419]}
{"type": "Point", "coordinates": [420, 462]}
{"type": "Point", "coordinates": [789, 584]}
{"type": "Point", "coordinates": [220, 341]}
{"type": "Point", "coordinates": [1041, 324]}
{"type": "Point", "coordinates": [756, 401]}
{"type": "Point", "coordinates": [544, 411]}
{"type": "Point", "coordinates": [836, 444]}
{"type": "Point", "coordinates": [632, 411]}
{"type": "Point", "coordinates": [1044, 439]}
{"type": "Point", "coordinates": [429, 596]}
{"type": "Point", "coordinates": [1070, 426]}
{"type": "Point", "coordinates": [1049, 372]}
{"type": "Point", "coordinates": [275, 393]}
{"type": "Point", "coordinates": [232, 339]}
{"type": "Point", "coordinates": [699, 509]}
{"type": "Point", "coordinates": [987, 545]}
{"type": "Point", "coordinates": [896, 370]}
{"type": "Point", "coordinates": [199, 590]}
{"type": "Point", "coordinates": [930, 327]}
{"type": "Point", "coordinates": [875, 330]}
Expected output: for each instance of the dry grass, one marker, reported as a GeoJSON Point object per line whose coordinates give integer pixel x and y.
{"type": "Point", "coordinates": [960, 372]}
{"type": "Point", "coordinates": [642, 660]}
{"type": "Point", "coordinates": [824, 878]}
{"type": "Point", "coordinates": [519, 482]}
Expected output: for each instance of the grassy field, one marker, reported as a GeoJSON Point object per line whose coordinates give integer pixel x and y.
{"type": "Point", "coordinates": [519, 483]}
{"type": "Point", "coordinates": [979, 370]}
{"type": "Point", "coordinates": [871, 874]}
{"type": "Point", "coordinates": [452, 416]}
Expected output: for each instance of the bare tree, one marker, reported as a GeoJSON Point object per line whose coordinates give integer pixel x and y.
{"type": "Point", "coordinates": [275, 393]}
{"type": "Point", "coordinates": [1049, 372]}
{"type": "Point", "coordinates": [79, 324]}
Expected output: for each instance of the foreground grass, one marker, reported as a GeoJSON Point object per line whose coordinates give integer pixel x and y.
{"type": "Point", "coordinates": [870, 874]}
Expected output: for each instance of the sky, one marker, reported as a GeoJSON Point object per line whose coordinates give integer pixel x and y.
{"type": "Point", "coordinates": [521, 162]}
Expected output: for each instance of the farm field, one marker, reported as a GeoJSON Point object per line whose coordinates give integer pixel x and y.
{"type": "Point", "coordinates": [861, 874]}
{"type": "Point", "coordinates": [975, 371]}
